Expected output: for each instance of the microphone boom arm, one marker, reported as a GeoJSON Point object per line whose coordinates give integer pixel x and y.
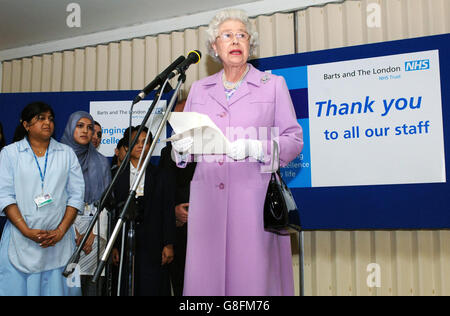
{"type": "Point", "coordinates": [133, 189]}
{"type": "Point", "coordinates": [75, 258]}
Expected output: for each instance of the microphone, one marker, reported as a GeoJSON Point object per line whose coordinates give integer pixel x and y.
{"type": "Point", "coordinates": [159, 80]}
{"type": "Point", "coordinates": [193, 57]}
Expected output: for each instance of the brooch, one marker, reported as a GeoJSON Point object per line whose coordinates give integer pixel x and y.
{"type": "Point", "coordinates": [265, 78]}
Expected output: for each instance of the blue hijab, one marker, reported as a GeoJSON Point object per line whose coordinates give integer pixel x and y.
{"type": "Point", "coordinates": [95, 166]}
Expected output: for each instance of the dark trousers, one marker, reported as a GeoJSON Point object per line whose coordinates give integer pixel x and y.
{"type": "Point", "coordinates": [176, 268]}
{"type": "Point", "coordinates": [90, 289]}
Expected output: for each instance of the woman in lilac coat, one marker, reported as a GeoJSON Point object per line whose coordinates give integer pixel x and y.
{"type": "Point", "coordinates": [228, 251]}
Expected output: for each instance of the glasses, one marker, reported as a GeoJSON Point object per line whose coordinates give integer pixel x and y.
{"type": "Point", "coordinates": [228, 36]}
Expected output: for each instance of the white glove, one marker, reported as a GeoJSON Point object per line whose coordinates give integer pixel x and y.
{"type": "Point", "coordinates": [243, 148]}
{"type": "Point", "coordinates": [183, 145]}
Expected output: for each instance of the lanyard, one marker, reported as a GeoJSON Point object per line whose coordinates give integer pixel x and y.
{"type": "Point", "coordinates": [39, 167]}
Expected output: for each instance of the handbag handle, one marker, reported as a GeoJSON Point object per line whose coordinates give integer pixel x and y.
{"type": "Point", "coordinates": [275, 152]}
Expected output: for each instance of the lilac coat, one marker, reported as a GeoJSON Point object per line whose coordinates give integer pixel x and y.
{"type": "Point", "coordinates": [228, 251]}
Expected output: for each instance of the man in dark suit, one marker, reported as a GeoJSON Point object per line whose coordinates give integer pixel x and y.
{"type": "Point", "coordinates": [182, 179]}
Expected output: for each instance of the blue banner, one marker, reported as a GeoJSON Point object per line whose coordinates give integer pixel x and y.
{"type": "Point", "coordinates": [376, 128]}
{"type": "Point", "coordinates": [376, 139]}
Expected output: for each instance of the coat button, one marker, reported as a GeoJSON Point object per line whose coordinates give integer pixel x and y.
{"type": "Point", "coordinates": [221, 186]}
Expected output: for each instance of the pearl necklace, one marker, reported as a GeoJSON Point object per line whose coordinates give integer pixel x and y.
{"type": "Point", "coordinates": [233, 85]}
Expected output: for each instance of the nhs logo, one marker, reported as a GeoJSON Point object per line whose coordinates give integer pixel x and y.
{"type": "Point", "coordinates": [417, 65]}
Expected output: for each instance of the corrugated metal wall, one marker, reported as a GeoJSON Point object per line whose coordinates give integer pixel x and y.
{"type": "Point", "coordinates": [335, 262]}
{"type": "Point", "coordinates": [130, 64]}
{"type": "Point", "coordinates": [410, 262]}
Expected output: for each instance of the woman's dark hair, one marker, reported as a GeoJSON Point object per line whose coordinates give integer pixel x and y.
{"type": "Point", "coordinates": [2, 137]}
{"type": "Point", "coordinates": [119, 145]}
{"type": "Point", "coordinates": [126, 134]}
{"type": "Point", "coordinates": [28, 113]}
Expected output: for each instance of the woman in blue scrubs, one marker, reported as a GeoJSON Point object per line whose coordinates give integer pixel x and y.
{"type": "Point", "coordinates": [41, 191]}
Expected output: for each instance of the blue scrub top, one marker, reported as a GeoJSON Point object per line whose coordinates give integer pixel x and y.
{"type": "Point", "coordinates": [20, 183]}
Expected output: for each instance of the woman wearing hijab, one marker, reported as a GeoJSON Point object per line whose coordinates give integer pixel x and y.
{"type": "Point", "coordinates": [97, 176]}
{"type": "Point", "coordinates": [41, 191]}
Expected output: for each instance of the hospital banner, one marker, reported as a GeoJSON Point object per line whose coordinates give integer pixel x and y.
{"type": "Point", "coordinates": [370, 121]}
{"type": "Point", "coordinates": [114, 117]}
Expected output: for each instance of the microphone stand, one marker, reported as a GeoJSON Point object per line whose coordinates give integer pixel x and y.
{"type": "Point", "coordinates": [109, 272]}
{"type": "Point", "coordinates": [124, 215]}
{"type": "Point", "coordinates": [75, 258]}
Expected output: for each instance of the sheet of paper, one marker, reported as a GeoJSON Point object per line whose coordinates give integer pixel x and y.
{"type": "Point", "coordinates": [183, 121]}
{"type": "Point", "coordinates": [208, 138]}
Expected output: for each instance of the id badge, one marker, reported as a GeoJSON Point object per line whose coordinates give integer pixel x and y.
{"type": "Point", "coordinates": [43, 200]}
{"type": "Point", "coordinates": [88, 213]}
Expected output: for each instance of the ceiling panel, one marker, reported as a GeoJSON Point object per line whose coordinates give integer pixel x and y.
{"type": "Point", "coordinates": [29, 22]}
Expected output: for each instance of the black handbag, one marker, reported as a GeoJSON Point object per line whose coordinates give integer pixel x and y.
{"type": "Point", "coordinates": [281, 214]}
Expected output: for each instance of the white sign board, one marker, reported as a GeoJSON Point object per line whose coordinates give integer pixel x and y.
{"type": "Point", "coordinates": [376, 121]}
{"type": "Point", "coordinates": [114, 117]}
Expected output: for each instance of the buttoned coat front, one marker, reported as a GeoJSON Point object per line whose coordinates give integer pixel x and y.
{"type": "Point", "coordinates": [228, 251]}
